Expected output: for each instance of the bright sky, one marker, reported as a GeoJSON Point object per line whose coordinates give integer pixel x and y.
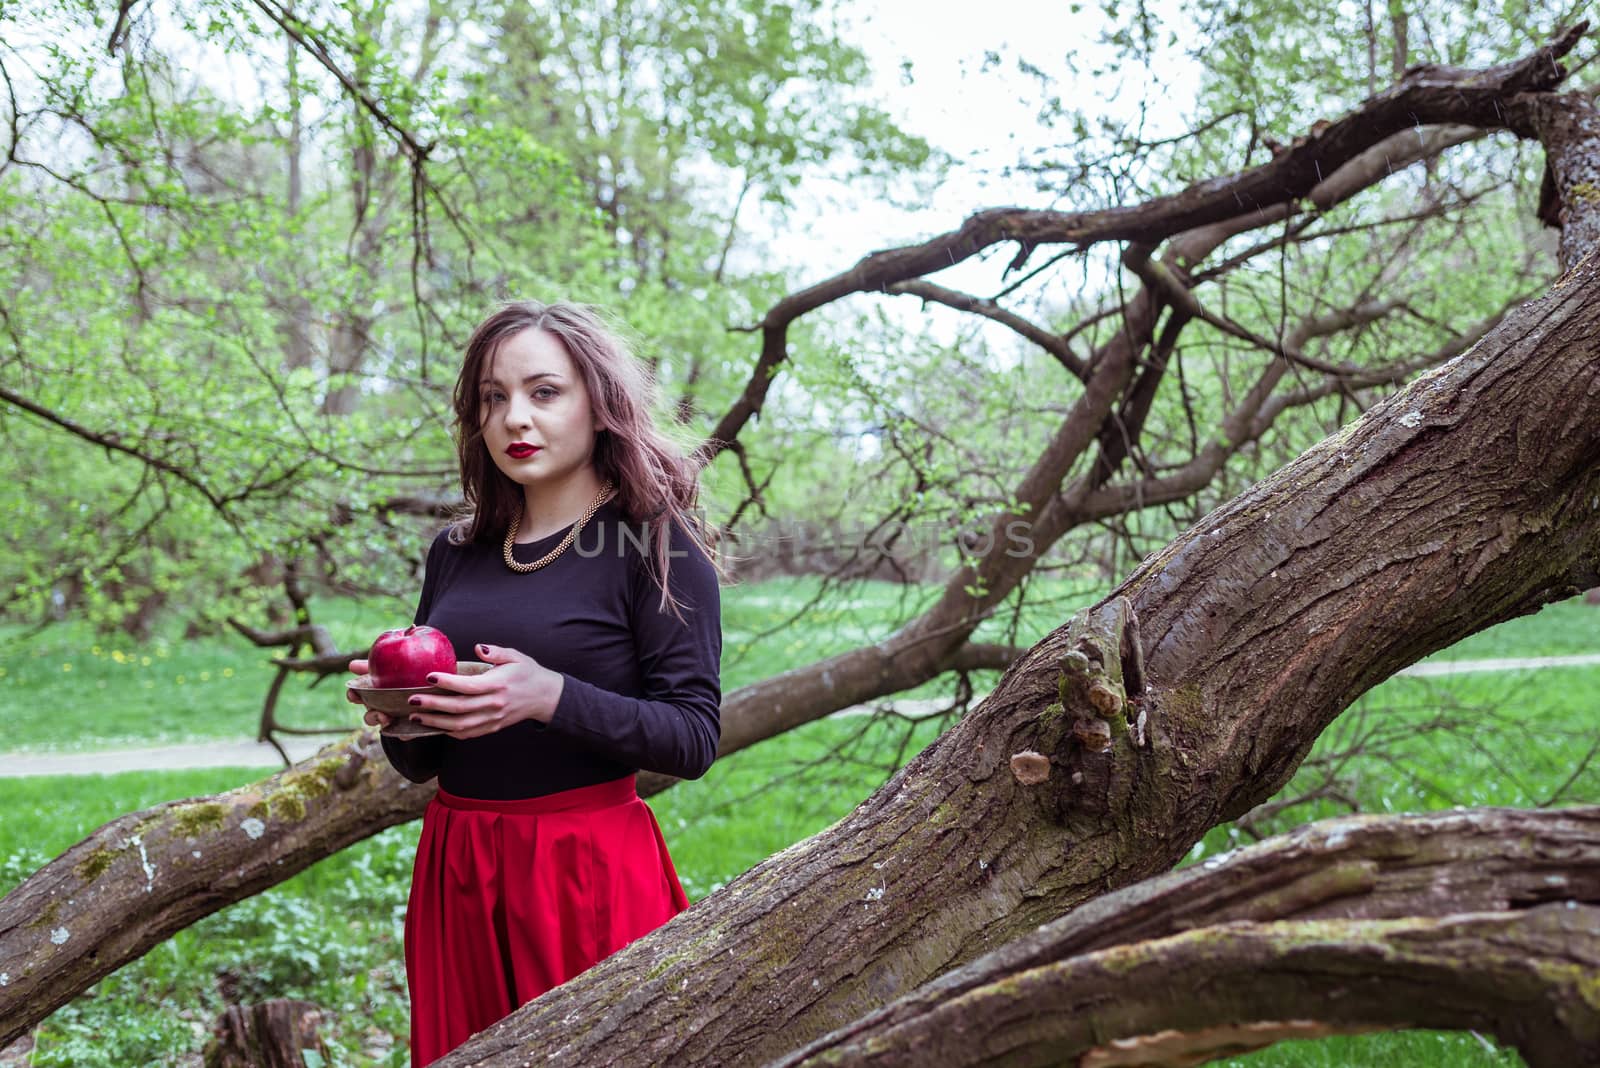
{"type": "Point", "coordinates": [984, 115]}
{"type": "Point", "coordinates": [948, 70]}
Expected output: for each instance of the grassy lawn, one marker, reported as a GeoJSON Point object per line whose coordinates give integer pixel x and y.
{"type": "Point", "coordinates": [64, 688]}
{"type": "Point", "coordinates": [332, 934]}
{"type": "Point", "coordinates": [1562, 629]}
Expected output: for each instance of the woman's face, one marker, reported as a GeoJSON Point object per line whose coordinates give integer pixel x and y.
{"type": "Point", "coordinates": [534, 408]}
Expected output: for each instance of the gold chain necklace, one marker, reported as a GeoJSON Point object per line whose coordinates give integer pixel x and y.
{"type": "Point", "coordinates": [572, 535]}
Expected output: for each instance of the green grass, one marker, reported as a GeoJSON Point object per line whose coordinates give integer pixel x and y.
{"type": "Point", "coordinates": [1562, 629]}
{"type": "Point", "coordinates": [332, 934]}
{"type": "Point", "coordinates": [66, 688]}
{"type": "Point", "coordinates": [1405, 1049]}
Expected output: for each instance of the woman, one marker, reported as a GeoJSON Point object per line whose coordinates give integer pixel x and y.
{"type": "Point", "coordinates": [581, 573]}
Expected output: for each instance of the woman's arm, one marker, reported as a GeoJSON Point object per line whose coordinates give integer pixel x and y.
{"type": "Point", "coordinates": [418, 759]}
{"type": "Point", "coordinates": [674, 728]}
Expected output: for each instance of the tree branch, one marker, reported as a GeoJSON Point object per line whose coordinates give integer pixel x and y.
{"type": "Point", "coordinates": [1178, 293]}
{"type": "Point", "coordinates": [113, 443]}
{"type": "Point", "coordinates": [1054, 344]}
{"type": "Point", "coordinates": [1568, 124]}
{"type": "Point", "coordinates": [1257, 412]}
{"type": "Point", "coordinates": [1425, 96]}
{"type": "Point", "coordinates": [1363, 890]}
{"type": "Point", "coordinates": [119, 28]}
{"type": "Point", "coordinates": [1257, 627]}
{"type": "Point", "coordinates": [984, 656]}
{"type": "Point", "coordinates": [313, 634]}
{"type": "Point", "coordinates": [1517, 975]}
{"type": "Point", "coordinates": [290, 24]}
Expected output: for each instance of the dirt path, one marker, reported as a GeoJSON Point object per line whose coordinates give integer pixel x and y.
{"type": "Point", "coordinates": [1524, 663]}
{"type": "Point", "coordinates": [215, 754]}
{"type": "Point", "coordinates": [248, 754]}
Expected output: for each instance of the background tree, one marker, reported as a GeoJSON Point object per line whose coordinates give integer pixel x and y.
{"type": "Point", "coordinates": [324, 236]}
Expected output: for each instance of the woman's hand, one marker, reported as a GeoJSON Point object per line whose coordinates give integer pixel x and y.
{"type": "Point", "coordinates": [516, 688]}
{"type": "Point", "coordinates": [372, 719]}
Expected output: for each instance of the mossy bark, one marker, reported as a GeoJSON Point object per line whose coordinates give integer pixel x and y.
{"type": "Point", "coordinates": [1526, 977]}
{"type": "Point", "coordinates": [1102, 983]}
{"type": "Point", "coordinates": [1568, 124]}
{"type": "Point", "coordinates": [1470, 497]}
{"type": "Point", "coordinates": [146, 875]}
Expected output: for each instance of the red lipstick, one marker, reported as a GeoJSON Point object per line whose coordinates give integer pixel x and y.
{"type": "Point", "coordinates": [521, 450]}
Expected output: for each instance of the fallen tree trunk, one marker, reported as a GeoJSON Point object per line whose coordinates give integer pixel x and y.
{"type": "Point", "coordinates": [146, 875]}
{"type": "Point", "coordinates": [1150, 974]}
{"type": "Point", "coordinates": [1525, 977]}
{"type": "Point", "coordinates": [1188, 697]}
{"type": "Point", "coordinates": [1434, 516]}
{"type": "Point", "coordinates": [38, 975]}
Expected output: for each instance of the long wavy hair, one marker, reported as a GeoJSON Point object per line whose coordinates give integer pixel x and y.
{"type": "Point", "coordinates": [658, 487]}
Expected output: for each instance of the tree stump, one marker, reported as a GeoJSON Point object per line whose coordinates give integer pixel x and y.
{"type": "Point", "coordinates": [272, 1034]}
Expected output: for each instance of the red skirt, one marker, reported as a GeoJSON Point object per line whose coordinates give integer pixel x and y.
{"type": "Point", "coordinates": [511, 898]}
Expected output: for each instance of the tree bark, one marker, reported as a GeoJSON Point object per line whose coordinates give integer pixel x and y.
{"type": "Point", "coordinates": [146, 875]}
{"type": "Point", "coordinates": [1470, 497]}
{"type": "Point", "coordinates": [1216, 991]}
{"type": "Point", "coordinates": [1098, 984]}
{"type": "Point", "coordinates": [1569, 126]}
{"type": "Point", "coordinates": [272, 1034]}
{"type": "Point", "coordinates": [1467, 499]}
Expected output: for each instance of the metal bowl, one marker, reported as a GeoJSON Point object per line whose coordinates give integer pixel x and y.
{"type": "Point", "coordinates": [395, 700]}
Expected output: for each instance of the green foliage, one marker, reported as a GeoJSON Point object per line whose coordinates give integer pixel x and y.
{"type": "Point", "coordinates": [1351, 51]}
{"type": "Point", "coordinates": [231, 317]}
{"type": "Point", "coordinates": [67, 687]}
{"type": "Point", "coordinates": [764, 92]}
{"type": "Point", "coordinates": [226, 373]}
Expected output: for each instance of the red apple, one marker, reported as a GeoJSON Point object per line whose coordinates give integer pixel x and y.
{"type": "Point", "coordinates": [404, 658]}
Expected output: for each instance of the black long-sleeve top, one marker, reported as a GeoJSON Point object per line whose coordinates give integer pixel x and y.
{"type": "Point", "coordinates": [641, 689]}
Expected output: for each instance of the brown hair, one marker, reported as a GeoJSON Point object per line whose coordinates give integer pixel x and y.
{"type": "Point", "coordinates": [656, 483]}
